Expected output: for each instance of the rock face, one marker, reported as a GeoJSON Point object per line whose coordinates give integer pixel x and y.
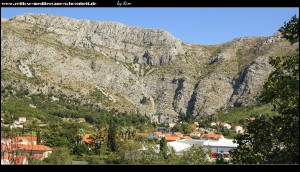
{"type": "Point", "coordinates": [136, 69]}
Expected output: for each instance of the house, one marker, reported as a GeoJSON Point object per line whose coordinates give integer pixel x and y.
{"type": "Point", "coordinates": [14, 160]}
{"type": "Point", "coordinates": [16, 125]}
{"type": "Point", "coordinates": [238, 129]}
{"type": "Point", "coordinates": [251, 119]}
{"type": "Point", "coordinates": [171, 137]}
{"type": "Point", "coordinates": [179, 147]}
{"type": "Point", "coordinates": [172, 124]}
{"type": "Point", "coordinates": [222, 145]}
{"type": "Point", "coordinates": [201, 129]}
{"type": "Point", "coordinates": [196, 134]}
{"type": "Point", "coordinates": [87, 140]}
{"type": "Point", "coordinates": [27, 140]}
{"type": "Point", "coordinates": [196, 123]}
{"type": "Point", "coordinates": [212, 136]}
{"type": "Point", "coordinates": [80, 120]}
{"type": "Point", "coordinates": [179, 134]}
{"type": "Point", "coordinates": [213, 124]}
{"type": "Point", "coordinates": [225, 125]}
{"type": "Point", "coordinates": [22, 119]}
{"type": "Point", "coordinates": [35, 151]}
{"type": "Point", "coordinates": [156, 135]}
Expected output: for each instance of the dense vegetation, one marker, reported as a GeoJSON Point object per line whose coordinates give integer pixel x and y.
{"type": "Point", "coordinates": [275, 140]}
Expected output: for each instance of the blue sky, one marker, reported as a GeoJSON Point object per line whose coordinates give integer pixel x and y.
{"type": "Point", "coordinates": [192, 25]}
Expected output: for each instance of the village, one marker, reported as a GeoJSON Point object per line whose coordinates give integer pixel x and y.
{"type": "Point", "coordinates": [18, 149]}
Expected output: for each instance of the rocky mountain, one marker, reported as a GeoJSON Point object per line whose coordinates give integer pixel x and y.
{"type": "Point", "coordinates": [111, 65]}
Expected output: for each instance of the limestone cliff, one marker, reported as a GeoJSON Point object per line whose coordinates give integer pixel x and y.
{"type": "Point", "coordinates": [133, 69]}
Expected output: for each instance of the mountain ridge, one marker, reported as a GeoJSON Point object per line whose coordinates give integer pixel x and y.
{"type": "Point", "coordinates": [127, 68]}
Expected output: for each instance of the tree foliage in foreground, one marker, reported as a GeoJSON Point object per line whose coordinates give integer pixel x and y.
{"type": "Point", "coordinates": [276, 140]}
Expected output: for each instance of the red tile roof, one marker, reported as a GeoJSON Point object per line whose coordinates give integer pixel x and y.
{"type": "Point", "coordinates": [34, 147]}
{"type": "Point", "coordinates": [86, 138]}
{"type": "Point", "coordinates": [210, 135]}
{"type": "Point", "coordinates": [178, 134]}
{"type": "Point", "coordinates": [170, 137]}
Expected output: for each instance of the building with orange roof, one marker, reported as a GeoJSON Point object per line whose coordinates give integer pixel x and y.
{"type": "Point", "coordinates": [38, 151]}
{"type": "Point", "coordinates": [212, 136]}
{"type": "Point", "coordinates": [81, 120]}
{"type": "Point", "coordinates": [178, 134]}
{"type": "Point", "coordinates": [171, 137]}
{"type": "Point", "coordinates": [87, 139]}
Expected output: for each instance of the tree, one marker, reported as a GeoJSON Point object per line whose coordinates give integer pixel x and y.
{"type": "Point", "coordinates": [38, 135]}
{"type": "Point", "coordinates": [79, 135]}
{"type": "Point", "coordinates": [60, 155]}
{"type": "Point", "coordinates": [276, 140]}
{"type": "Point", "coordinates": [195, 155]}
{"type": "Point", "coordinates": [163, 147]}
{"type": "Point", "coordinates": [131, 132]}
{"type": "Point", "coordinates": [123, 131]}
{"type": "Point", "coordinates": [100, 138]}
{"type": "Point", "coordinates": [111, 142]}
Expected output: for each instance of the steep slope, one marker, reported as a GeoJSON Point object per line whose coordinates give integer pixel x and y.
{"type": "Point", "coordinates": [110, 65]}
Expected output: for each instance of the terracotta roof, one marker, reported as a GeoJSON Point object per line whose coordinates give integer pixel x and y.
{"type": "Point", "coordinates": [86, 138]}
{"type": "Point", "coordinates": [178, 134]}
{"type": "Point", "coordinates": [210, 135]}
{"type": "Point", "coordinates": [34, 147]}
{"type": "Point", "coordinates": [170, 137]}
{"type": "Point", "coordinates": [81, 119]}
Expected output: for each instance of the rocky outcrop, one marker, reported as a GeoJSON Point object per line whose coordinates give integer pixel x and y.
{"type": "Point", "coordinates": [135, 69]}
{"type": "Point", "coordinates": [149, 46]}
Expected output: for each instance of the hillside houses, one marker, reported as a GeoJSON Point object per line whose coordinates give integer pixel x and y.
{"type": "Point", "coordinates": [26, 146]}
{"type": "Point", "coordinates": [211, 136]}
{"type": "Point", "coordinates": [238, 129]}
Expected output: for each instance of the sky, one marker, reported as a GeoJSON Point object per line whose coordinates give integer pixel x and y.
{"type": "Point", "coordinates": [191, 25]}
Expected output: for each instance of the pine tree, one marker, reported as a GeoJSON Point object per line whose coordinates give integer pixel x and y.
{"type": "Point", "coordinates": [111, 142]}
{"type": "Point", "coordinates": [163, 147]}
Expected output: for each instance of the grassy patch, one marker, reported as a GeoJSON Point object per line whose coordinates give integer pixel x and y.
{"type": "Point", "coordinates": [237, 114]}
{"type": "Point", "coordinates": [98, 96]}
